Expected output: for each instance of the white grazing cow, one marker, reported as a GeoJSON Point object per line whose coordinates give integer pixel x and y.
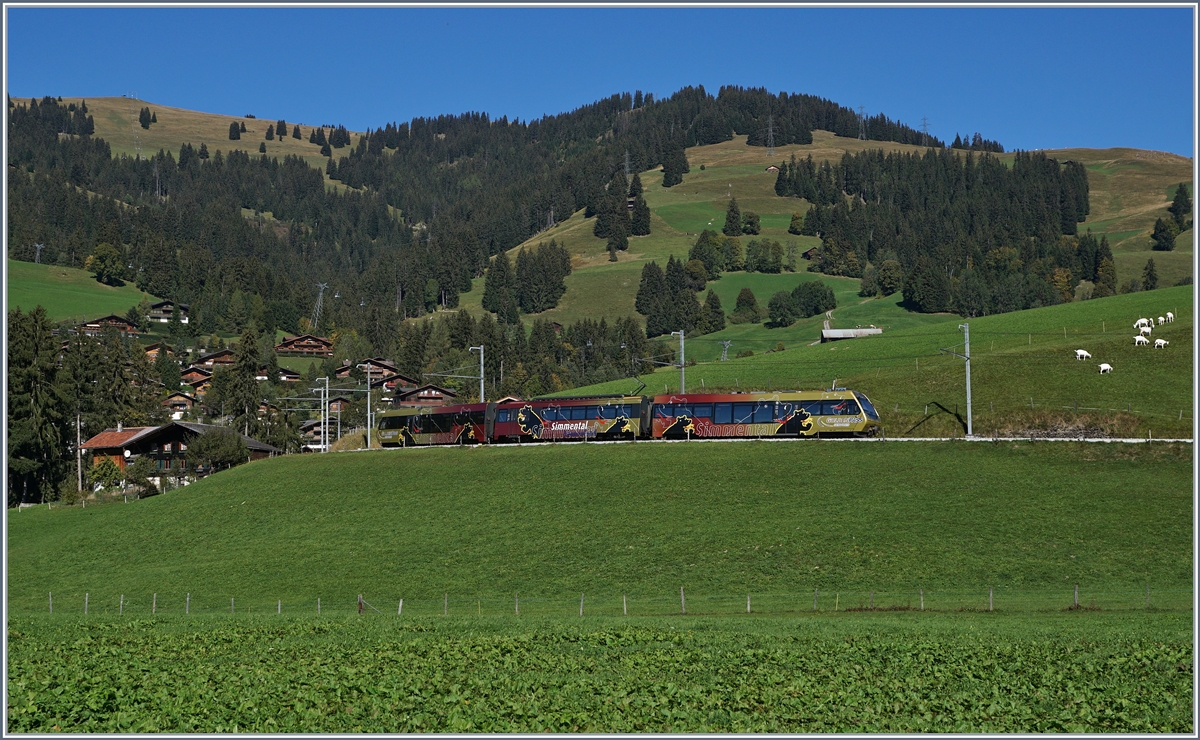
{"type": "Point", "coordinates": [1082, 354]}
{"type": "Point", "coordinates": [1161, 321]}
{"type": "Point", "coordinates": [1170, 317]}
{"type": "Point", "coordinates": [1140, 323]}
{"type": "Point", "coordinates": [1160, 343]}
{"type": "Point", "coordinates": [1146, 330]}
{"type": "Point", "coordinates": [1105, 368]}
{"type": "Point", "coordinates": [1140, 339]}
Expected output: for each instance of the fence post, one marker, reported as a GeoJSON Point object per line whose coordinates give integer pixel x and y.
{"type": "Point", "coordinates": [624, 606]}
{"type": "Point", "coordinates": [1076, 595]}
{"type": "Point", "coordinates": [400, 608]}
{"type": "Point", "coordinates": [581, 605]}
{"type": "Point", "coordinates": [990, 595]}
{"type": "Point", "coordinates": [1147, 595]}
{"type": "Point", "coordinates": [121, 609]}
{"type": "Point", "coordinates": [187, 605]}
{"type": "Point", "coordinates": [154, 604]}
{"type": "Point", "coordinates": [517, 603]}
{"type": "Point", "coordinates": [747, 603]}
{"type": "Point", "coordinates": [318, 606]}
{"type": "Point", "coordinates": [682, 602]}
{"type": "Point", "coordinates": [85, 602]}
{"type": "Point", "coordinates": [51, 601]}
{"type": "Point", "coordinates": [816, 591]}
{"type": "Point", "coordinates": [922, 599]}
{"type": "Point", "coordinates": [445, 604]}
{"type": "Point", "coordinates": [279, 607]}
{"type": "Point", "coordinates": [231, 605]}
{"type": "Point", "coordinates": [836, 596]}
{"type": "Point", "coordinates": [360, 604]}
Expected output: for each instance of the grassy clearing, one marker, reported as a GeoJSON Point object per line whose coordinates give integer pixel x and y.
{"type": "Point", "coordinates": [641, 519]}
{"type": "Point", "coordinates": [890, 673]}
{"type": "Point", "coordinates": [1015, 357]}
{"type": "Point", "coordinates": [66, 292]}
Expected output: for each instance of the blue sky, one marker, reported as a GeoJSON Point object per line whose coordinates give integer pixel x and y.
{"type": "Point", "coordinates": [1028, 77]}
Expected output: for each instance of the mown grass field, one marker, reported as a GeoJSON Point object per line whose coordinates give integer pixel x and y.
{"type": "Point", "coordinates": [643, 519]}
{"type": "Point", "coordinates": [898, 672]}
{"type": "Point", "coordinates": [66, 292]}
{"type": "Point", "coordinates": [1015, 357]}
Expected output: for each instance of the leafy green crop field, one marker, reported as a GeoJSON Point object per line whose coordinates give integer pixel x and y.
{"type": "Point", "coordinates": [66, 292]}
{"type": "Point", "coordinates": [894, 672]}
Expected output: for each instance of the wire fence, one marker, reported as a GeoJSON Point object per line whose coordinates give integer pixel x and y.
{"type": "Point", "coordinates": [1008, 599]}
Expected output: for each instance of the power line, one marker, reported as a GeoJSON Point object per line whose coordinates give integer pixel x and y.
{"type": "Point", "coordinates": [317, 311]}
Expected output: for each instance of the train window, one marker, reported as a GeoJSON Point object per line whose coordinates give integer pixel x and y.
{"type": "Point", "coordinates": [742, 413]}
{"type": "Point", "coordinates": [477, 417]}
{"type": "Point", "coordinates": [872, 414]}
{"type": "Point", "coordinates": [839, 408]}
{"type": "Point", "coordinates": [392, 422]}
{"type": "Point", "coordinates": [549, 413]}
{"type": "Point", "coordinates": [764, 414]}
{"type": "Point", "coordinates": [812, 407]}
{"type": "Point", "coordinates": [579, 413]}
{"type": "Point", "coordinates": [625, 410]}
{"type": "Point", "coordinates": [664, 411]}
{"type": "Point", "coordinates": [608, 412]}
{"type": "Point", "coordinates": [702, 410]}
{"type": "Point", "coordinates": [502, 415]}
{"type": "Point", "coordinates": [722, 413]}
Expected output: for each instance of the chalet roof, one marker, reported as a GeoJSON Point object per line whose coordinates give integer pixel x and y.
{"type": "Point", "coordinates": [111, 438]}
{"type": "Point", "coordinates": [379, 382]}
{"type": "Point", "coordinates": [197, 369]}
{"type": "Point", "coordinates": [251, 443]}
{"type": "Point", "coordinates": [310, 337]}
{"type": "Point", "coordinates": [111, 318]}
{"type": "Point", "coordinates": [163, 304]}
{"type": "Point", "coordinates": [212, 355]}
{"type": "Point", "coordinates": [427, 389]}
{"type": "Point", "coordinates": [180, 394]}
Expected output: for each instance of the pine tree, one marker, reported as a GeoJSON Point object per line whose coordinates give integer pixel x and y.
{"type": "Point", "coordinates": [733, 219]}
{"type": "Point", "coordinates": [797, 224]}
{"type": "Point", "coordinates": [234, 132]}
{"type": "Point", "coordinates": [296, 132]}
{"type": "Point", "coordinates": [1149, 276]}
{"type": "Point", "coordinates": [203, 153]}
{"type": "Point", "coordinates": [639, 221]}
{"type": "Point", "coordinates": [1181, 206]}
{"type": "Point", "coordinates": [1106, 280]}
{"type": "Point", "coordinates": [635, 186]}
{"type": "Point", "coordinates": [262, 147]}
{"type": "Point", "coordinates": [242, 127]}
{"type": "Point", "coordinates": [498, 285]}
{"type": "Point", "coordinates": [652, 287]}
{"type": "Point", "coordinates": [1163, 237]}
{"type": "Point", "coordinates": [750, 223]}
{"type": "Point", "coordinates": [618, 242]}
{"type": "Point", "coordinates": [326, 151]}
{"type": "Point", "coordinates": [270, 133]}
{"type": "Point", "coordinates": [153, 117]}
{"type": "Point", "coordinates": [144, 117]}
{"type": "Point", "coordinates": [714, 316]}
{"type": "Point", "coordinates": [281, 128]}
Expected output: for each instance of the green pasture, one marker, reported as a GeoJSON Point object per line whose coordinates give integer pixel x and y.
{"type": "Point", "coordinates": [1016, 359]}
{"type": "Point", "coordinates": [722, 519]}
{"type": "Point", "coordinates": [67, 293]}
{"type": "Point", "coordinates": [873, 672]}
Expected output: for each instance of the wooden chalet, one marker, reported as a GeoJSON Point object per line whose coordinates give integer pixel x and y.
{"type": "Point", "coordinates": [220, 358]}
{"type": "Point", "coordinates": [392, 383]}
{"type": "Point", "coordinates": [161, 312]}
{"type": "Point", "coordinates": [305, 344]}
{"type": "Point", "coordinates": [310, 434]}
{"type": "Point", "coordinates": [810, 253]}
{"type": "Point", "coordinates": [426, 395]}
{"type": "Point", "coordinates": [772, 168]}
{"type": "Point", "coordinates": [120, 323]}
{"type": "Point", "coordinates": [194, 373]}
{"type": "Point", "coordinates": [166, 445]}
{"type": "Point", "coordinates": [179, 403]}
{"type": "Point", "coordinates": [287, 375]}
{"type": "Point", "coordinates": [152, 351]}
{"type": "Point", "coordinates": [265, 408]}
{"type": "Point", "coordinates": [379, 368]}
{"type": "Point", "coordinates": [338, 404]}
{"type": "Point", "coordinates": [200, 387]}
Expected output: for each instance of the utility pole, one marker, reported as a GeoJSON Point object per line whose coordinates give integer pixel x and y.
{"type": "Point", "coordinates": [78, 452]}
{"type": "Point", "coordinates": [38, 257]}
{"type": "Point", "coordinates": [680, 333]}
{"type": "Point", "coordinates": [323, 392]}
{"type": "Point", "coordinates": [967, 352]}
{"type": "Point", "coordinates": [966, 356]}
{"type": "Point", "coordinates": [370, 423]}
{"type": "Point", "coordinates": [480, 348]}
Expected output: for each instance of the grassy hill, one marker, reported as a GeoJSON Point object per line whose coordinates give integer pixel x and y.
{"type": "Point", "coordinates": [66, 293]}
{"type": "Point", "coordinates": [1130, 188]}
{"type": "Point", "coordinates": [1015, 358]}
{"type": "Point", "coordinates": [721, 519]}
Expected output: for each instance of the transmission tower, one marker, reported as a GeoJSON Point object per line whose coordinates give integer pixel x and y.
{"type": "Point", "coordinates": [770, 137]}
{"type": "Point", "coordinates": [38, 257]}
{"type": "Point", "coordinates": [862, 123]}
{"type": "Point", "coordinates": [133, 122]}
{"type": "Point", "coordinates": [725, 349]}
{"type": "Point", "coordinates": [317, 311]}
{"type": "Point", "coordinates": [925, 129]}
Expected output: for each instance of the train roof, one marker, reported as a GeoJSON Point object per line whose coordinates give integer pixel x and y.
{"type": "Point", "coordinates": [754, 396]}
{"type": "Point", "coordinates": [576, 400]}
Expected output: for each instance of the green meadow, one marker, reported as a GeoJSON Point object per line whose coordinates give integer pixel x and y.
{"type": "Point", "coordinates": [67, 293]}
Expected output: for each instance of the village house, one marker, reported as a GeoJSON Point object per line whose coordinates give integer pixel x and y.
{"type": "Point", "coordinates": [179, 403]}
{"type": "Point", "coordinates": [305, 344]}
{"type": "Point", "coordinates": [194, 373]}
{"type": "Point", "coordinates": [377, 366]}
{"type": "Point", "coordinates": [166, 445]}
{"type": "Point", "coordinates": [426, 395]}
{"type": "Point", "coordinates": [120, 323]}
{"type": "Point", "coordinates": [161, 312]}
{"type": "Point", "coordinates": [222, 357]}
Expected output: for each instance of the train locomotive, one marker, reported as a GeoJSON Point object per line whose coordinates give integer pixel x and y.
{"type": "Point", "coordinates": [796, 414]}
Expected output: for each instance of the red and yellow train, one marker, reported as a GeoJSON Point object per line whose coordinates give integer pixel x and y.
{"type": "Point", "coordinates": [833, 413]}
